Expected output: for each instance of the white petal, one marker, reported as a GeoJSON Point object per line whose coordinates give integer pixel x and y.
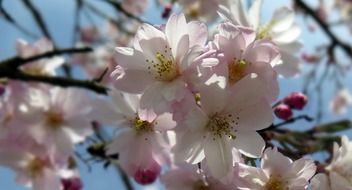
{"type": "Point", "coordinates": [283, 19]}
{"type": "Point", "coordinates": [249, 143]}
{"type": "Point", "coordinates": [219, 156]}
{"type": "Point", "coordinates": [254, 13]}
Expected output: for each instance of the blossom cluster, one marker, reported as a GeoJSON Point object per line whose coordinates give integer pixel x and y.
{"type": "Point", "coordinates": [180, 98]}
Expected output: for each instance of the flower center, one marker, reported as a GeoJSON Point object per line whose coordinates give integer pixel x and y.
{"type": "Point", "coordinates": [54, 119]}
{"type": "Point", "coordinates": [164, 68]}
{"type": "Point", "coordinates": [237, 70]}
{"type": "Point", "coordinates": [275, 183]}
{"type": "Point", "coordinates": [35, 167]}
{"type": "Point", "coordinates": [142, 126]}
{"type": "Point", "coordinates": [219, 126]}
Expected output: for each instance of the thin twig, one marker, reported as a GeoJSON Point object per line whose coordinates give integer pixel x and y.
{"type": "Point", "coordinates": [58, 81]}
{"type": "Point", "coordinates": [38, 18]}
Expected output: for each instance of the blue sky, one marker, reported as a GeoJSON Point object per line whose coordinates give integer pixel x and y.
{"type": "Point", "coordinates": [58, 15]}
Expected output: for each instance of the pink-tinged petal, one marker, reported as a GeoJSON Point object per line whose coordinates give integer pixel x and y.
{"type": "Point", "coordinates": [174, 90]}
{"type": "Point", "coordinates": [154, 100]}
{"type": "Point", "coordinates": [129, 58]}
{"type": "Point", "coordinates": [237, 15]}
{"type": "Point", "coordinates": [196, 118]}
{"type": "Point", "coordinates": [273, 162]}
{"type": "Point", "coordinates": [176, 28]}
{"type": "Point", "coordinates": [189, 147]}
{"type": "Point", "coordinates": [152, 47]}
{"type": "Point", "coordinates": [212, 98]}
{"type": "Point", "coordinates": [63, 143]}
{"type": "Point", "coordinates": [49, 181]}
{"type": "Point", "coordinates": [122, 141]}
{"type": "Point", "coordinates": [164, 122]}
{"type": "Point", "coordinates": [218, 156]}
{"type": "Point", "coordinates": [261, 51]}
{"type": "Point", "coordinates": [107, 113]}
{"type": "Point", "coordinates": [182, 48]}
{"type": "Point", "coordinates": [146, 115]}
{"type": "Point", "coordinates": [122, 102]}
{"type": "Point", "coordinates": [254, 13]}
{"type": "Point", "coordinates": [190, 57]}
{"type": "Point", "coordinates": [198, 33]}
{"type": "Point", "coordinates": [303, 168]}
{"type": "Point", "coordinates": [283, 19]}
{"type": "Point", "coordinates": [320, 182]}
{"type": "Point", "coordinates": [244, 177]}
{"type": "Point", "coordinates": [242, 97]}
{"type": "Point", "coordinates": [132, 81]}
{"type": "Point", "coordinates": [268, 75]}
{"type": "Point", "coordinates": [290, 65]}
{"type": "Point", "coordinates": [249, 143]}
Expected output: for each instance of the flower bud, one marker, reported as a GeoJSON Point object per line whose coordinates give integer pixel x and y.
{"type": "Point", "coordinates": [296, 100]}
{"type": "Point", "coordinates": [167, 11]}
{"type": "Point", "coordinates": [2, 89]}
{"type": "Point", "coordinates": [148, 175]}
{"type": "Point", "coordinates": [74, 183]}
{"type": "Point", "coordinates": [283, 111]}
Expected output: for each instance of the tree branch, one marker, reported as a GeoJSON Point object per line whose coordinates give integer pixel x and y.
{"type": "Point", "coordinates": [325, 27]}
{"type": "Point", "coordinates": [38, 18]}
{"type": "Point", "coordinates": [58, 81]}
{"type": "Point", "coordinates": [17, 61]}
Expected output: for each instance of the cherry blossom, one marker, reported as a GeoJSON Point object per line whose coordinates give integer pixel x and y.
{"type": "Point", "coordinates": [341, 101]}
{"type": "Point", "coordinates": [43, 66]}
{"type": "Point", "coordinates": [242, 55]}
{"type": "Point", "coordinates": [160, 62]}
{"type": "Point", "coordinates": [338, 171]}
{"type": "Point", "coordinates": [217, 125]}
{"type": "Point", "coordinates": [277, 172]}
{"type": "Point", "coordinates": [281, 30]}
{"type": "Point", "coordinates": [57, 118]}
{"type": "Point", "coordinates": [139, 140]}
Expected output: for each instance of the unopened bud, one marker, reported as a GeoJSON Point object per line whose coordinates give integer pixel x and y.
{"type": "Point", "coordinates": [167, 11]}
{"type": "Point", "coordinates": [283, 111]}
{"type": "Point", "coordinates": [147, 176]}
{"type": "Point", "coordinates": [72, 183]}
{"type": "Point", "coordinates": [296, 100]}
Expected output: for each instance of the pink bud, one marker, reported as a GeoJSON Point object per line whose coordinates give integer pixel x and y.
{"type": "Point", "coordinates": [167, 11]}
{"type": "Point", "coordinates": [2, 89]}
{"type": "Point", "coordinates": [72, 183]}
{"type": "Point", "coordinates": [148, 175]}
{"type": "Point", "coordinates": [283, 111]}
{"type": "Point", "coordinates": [296, 100]}
{"type": "Point", "coordinates": [310, 58]}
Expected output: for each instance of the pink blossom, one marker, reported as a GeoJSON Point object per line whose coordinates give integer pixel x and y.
{"type": "Point", "coordinates": [57, 118]}
{"type": "Point", "coordinates": [139, 140]}
{"type": "Point", "coordinates": [225, 121]}
{"type": "Point", "coordinates": [42, 66]}
{"type": "Point", "coordinates": [188, 177]}
{"type": "Point", "coordinates": [341, 101]}
{"type": "Point", "coordinates": [242, 55]}
{"type": "Point", "coordinates": [160, 62]}
{"type": "Point", "coordinates": [276, 172]}
{"type": "Point", "coordinates": [296, 100]}
{"type": "Point", "coordinates": [33, 166]}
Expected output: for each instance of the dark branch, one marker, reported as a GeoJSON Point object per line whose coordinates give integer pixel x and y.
{"type": "Point", "coordinates": [325, 27]}
{"type": "Point", "coordinates": [59, 81]}
{"type": "Point", "coordinates": [38, 18]}
{"type": "Point", "coordinates": [18, 61]}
